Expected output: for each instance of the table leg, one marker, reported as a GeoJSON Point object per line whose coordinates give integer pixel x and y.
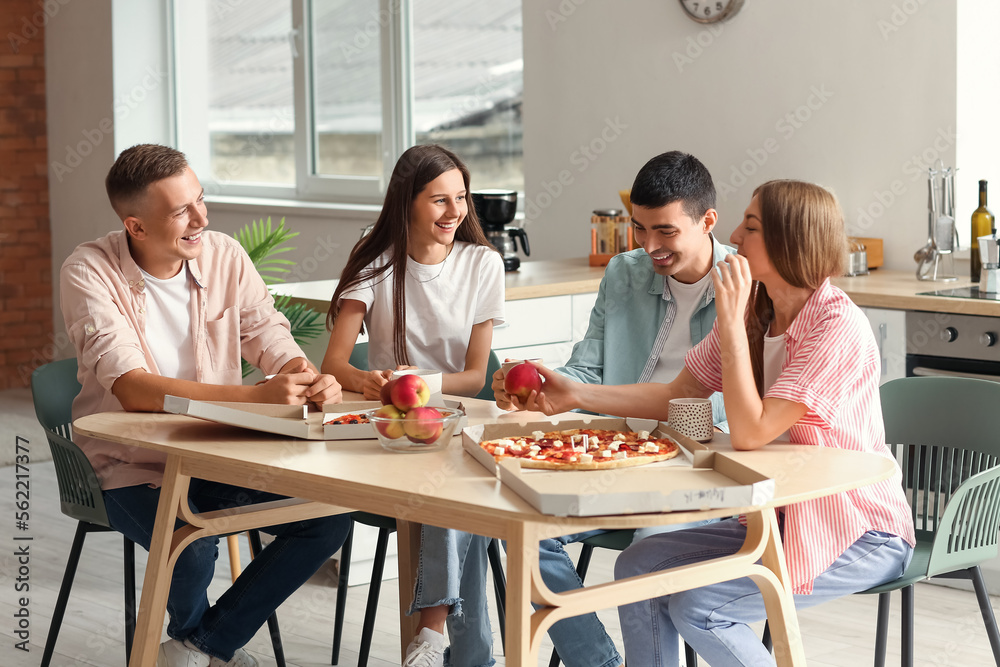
{"type": "Point", "coordinates": [159, 566]}
{"type": "Point", "coordinates": [522, 567]}
{"type": "Point", "coordinates": [776, 590]}
{"type": "Point", "coordinates": [408, 547]}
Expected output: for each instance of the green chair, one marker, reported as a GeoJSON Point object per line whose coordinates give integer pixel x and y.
{"type": "Point", "coordinates": [941, 431]}
{"type": "Point", "coordinates": [53, 388]}
{"type": "Point", "coordinates": [386, 526]}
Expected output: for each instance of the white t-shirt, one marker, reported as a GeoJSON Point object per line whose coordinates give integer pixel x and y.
{"type": "Point", "coordinates": [686, 298]}
{"type": "Point", "coordinates": [774, 361]}
{"type": "Point", "coordinates": [168, 325]}
{"type": "Point", "coordinates": [443, 303]}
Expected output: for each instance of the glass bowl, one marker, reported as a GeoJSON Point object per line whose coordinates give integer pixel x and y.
{"type": "Point", "coordinates": [416, 432]}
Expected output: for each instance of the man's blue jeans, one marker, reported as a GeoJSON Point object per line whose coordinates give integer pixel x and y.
{"type": "Point", "coordinates": [298, 550]}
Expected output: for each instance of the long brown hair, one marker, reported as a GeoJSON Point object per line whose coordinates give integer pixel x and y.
{"type": "Point", "coordinates": [804, 236]}
{"type": "Point", "coordinates": [416, 167]}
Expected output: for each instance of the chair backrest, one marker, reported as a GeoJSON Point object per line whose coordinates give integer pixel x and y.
{"type": "Point", "coordinates": [486, 393]}
{"type": "Point", "coordinates": [359, 359]}
{"type": "Point", "coordinates": [941, 431]}
{"type": "Point", "coordinates": [359, 356]}
{"type": "Point", "coordinates": [53, 388]}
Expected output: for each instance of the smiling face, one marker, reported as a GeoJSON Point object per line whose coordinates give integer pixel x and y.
{"type": "Point", "coordinates": [679, 246]}
{"type": "Point", "coordinates": [438, 210]}
{"type": "Point", "coordinates": [166, 229]}
{"type": "Point", "coordinates": [749, 241]}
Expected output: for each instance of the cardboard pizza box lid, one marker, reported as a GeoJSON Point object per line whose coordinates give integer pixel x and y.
{"type": "Point", "coordinates": [294, 421]}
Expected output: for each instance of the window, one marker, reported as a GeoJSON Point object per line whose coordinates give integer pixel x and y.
{"type": "Point", "coordinates": [315, 99]}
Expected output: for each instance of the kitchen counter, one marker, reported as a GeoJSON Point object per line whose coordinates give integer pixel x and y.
{"type": "Point", "coordinates": [534, 279]}
{"type": "Point", "coordinates": [894, 290]}
{"type": "Point", "coordinates": [900, 290]}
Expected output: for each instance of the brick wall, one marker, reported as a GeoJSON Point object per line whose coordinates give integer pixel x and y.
{"type": "Point", "coordinates": [25, 237]}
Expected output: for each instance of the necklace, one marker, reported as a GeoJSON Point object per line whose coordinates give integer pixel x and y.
{"type": "Point", "coordinates": [435, 276]}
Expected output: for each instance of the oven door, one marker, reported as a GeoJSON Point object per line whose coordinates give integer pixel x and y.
{"type": "Point", "coordinates": [922, 365]}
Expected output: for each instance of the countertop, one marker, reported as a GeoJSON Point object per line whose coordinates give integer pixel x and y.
{"type": "Point", "coordinates": [534, 279]}
{"type": "Point", "coordinates": [896, 290]}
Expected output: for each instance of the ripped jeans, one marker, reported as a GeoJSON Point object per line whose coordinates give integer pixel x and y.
{"type": "Point", "coordinates": [452, 571]}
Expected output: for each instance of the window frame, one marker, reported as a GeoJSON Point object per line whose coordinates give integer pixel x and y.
{"type": "Point", "coordinates": [396, 48]}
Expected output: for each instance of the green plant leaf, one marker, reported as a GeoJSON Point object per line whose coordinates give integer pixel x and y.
{"type": "Point", "coordinates": [263, 241]}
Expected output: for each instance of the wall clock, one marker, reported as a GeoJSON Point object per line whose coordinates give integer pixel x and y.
{"type": "Point", "coordinates": [711, 11]}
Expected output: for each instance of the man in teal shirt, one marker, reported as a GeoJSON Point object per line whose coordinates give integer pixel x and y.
{"type": "Point", "coordinates": [654, 304]}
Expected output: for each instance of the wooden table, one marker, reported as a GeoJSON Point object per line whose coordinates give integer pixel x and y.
{"type": "Point", "coordinates": [452, 490]}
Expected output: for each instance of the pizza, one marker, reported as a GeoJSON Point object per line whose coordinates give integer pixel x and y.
{"type": "Point", "coordinates": [348, 419]}
{"type": "Point", "coordinates": [582, 449]}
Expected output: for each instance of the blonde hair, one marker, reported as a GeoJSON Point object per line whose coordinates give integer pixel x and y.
{"type": "Point", "coordinates": [805, 240]}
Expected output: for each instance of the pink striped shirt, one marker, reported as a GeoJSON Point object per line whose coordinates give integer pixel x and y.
{"type": "Point", "coordinates": [832, 367]}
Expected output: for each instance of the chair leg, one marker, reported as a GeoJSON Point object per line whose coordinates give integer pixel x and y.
{"type": "Point", "coordinates": [882, 628]}
{"type": "Point", "coordinates": [345, 572]}
{"type": "Point", "coordinates": [987, 611]}
{"type": "Point", "coordinates": [253, 537]}
{"type": "Point", "coordinates": [129, 548]}
{"type": "Point", "coordinates": [906, 648]}
{"type": "Point", "coordinates": [63, 597]}
{"type": "Point", "coordinates": [690, 657]}
{"type": "Point", "coordinates": [500, 588]}
{"type": "Point", "coordinates": [368, 628]}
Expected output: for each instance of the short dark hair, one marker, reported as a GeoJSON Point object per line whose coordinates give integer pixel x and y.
{"type": "Point", "coordinates": [136, 169]}
{"type": "Point", "coordinates": [674, 176]}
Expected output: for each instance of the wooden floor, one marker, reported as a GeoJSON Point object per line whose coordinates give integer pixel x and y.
{"type": "Point", "coordinates": [949, 629]}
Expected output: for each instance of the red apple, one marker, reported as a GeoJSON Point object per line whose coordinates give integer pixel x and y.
{"type": "Point", "coordinates": [385, 393]}
{"type": "Point", "coordinates": [409, 391]}
{"type": "Point", "coordinates": [521, 380]}
{"type": "Point", "coordinates": [390, 429]}
{"type": "Point", "coordinates": [423, 425]}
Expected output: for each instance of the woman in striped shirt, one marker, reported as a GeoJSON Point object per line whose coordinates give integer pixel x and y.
{"type": "Point", "coordinates": [792, 356]}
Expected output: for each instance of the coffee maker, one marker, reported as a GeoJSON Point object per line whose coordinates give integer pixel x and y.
{"type": "Point", "coordinates": [496, 209]}
{"type": "Point", "coordinates": [989, 275]}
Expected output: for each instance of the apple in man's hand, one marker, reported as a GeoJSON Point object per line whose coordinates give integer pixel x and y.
{"type": "Point", "coordinates": [391, 429]}
{"type": "Point", "coordinates": [409, 391]}
{"type": "Point", "coordinates": [423, 424]}
{"type": "Point", "coordinates": [521, 380]}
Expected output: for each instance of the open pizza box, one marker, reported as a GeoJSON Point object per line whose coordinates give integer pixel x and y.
{"type": "Point", "coordinates": [697, 479]}
{"type": "Point", "coordinates": [291, 420]}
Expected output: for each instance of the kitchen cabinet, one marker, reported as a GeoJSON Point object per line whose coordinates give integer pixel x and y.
{"type": "Point", "coordinates": [544, 327]}
{"type": "Point", "coordinates": [889, 327]}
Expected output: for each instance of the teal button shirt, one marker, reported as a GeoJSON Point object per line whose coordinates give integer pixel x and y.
{"type": "Point", "coordinates": [626, 319]}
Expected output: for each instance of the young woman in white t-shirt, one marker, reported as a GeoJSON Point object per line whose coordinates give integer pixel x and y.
{"type": "Point", "coordinates": [439, 317]}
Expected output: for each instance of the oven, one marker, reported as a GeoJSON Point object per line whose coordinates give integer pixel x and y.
{"type": "Point", "coordinates": [952, 345]}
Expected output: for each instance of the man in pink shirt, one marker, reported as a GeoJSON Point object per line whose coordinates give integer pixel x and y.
{"type": "Point", "coordinates": [161, 307]}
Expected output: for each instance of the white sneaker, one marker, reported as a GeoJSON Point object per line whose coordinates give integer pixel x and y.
{"type": "Point", "coordinates": [240, 659]}
{"type": "Point", "coordinates": [178, 654]}
{"type": "Point", "coordinates": [426, 650]}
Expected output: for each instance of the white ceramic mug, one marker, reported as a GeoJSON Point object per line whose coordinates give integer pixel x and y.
{"type": "Point", "coordinates": [692, 417]}
{"type": "Point", "coordinates": [433, 380]}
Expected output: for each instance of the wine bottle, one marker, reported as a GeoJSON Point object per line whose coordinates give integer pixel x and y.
{"type": "Point", "coordinates": [983, 224]}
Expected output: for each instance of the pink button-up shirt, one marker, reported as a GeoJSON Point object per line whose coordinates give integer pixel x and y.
{"type": "Point", "coordinates": [832, 367]}
{"type": "Point", "coordinates": [103, 301]}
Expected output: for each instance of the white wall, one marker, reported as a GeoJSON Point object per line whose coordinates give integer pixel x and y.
{"type": "Point", "coordinates": [881, 84]}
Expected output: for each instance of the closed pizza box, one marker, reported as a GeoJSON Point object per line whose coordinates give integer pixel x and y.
{"type": "Point", "coordinates": [704, 479]}
{"type": "Point", "coordinates": [291, 420]}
